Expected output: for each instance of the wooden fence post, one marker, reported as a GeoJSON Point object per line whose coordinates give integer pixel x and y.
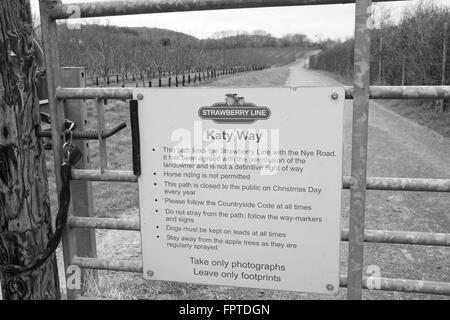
{"type": "Point", "coordinates": [25, 218]}
{"type": "Point", "coordinates": [81, 191]}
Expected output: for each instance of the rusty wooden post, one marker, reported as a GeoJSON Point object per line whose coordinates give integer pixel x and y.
{"type": "Point", "coordinates": [81, 191]}
{"type": "Point", "coordinates": [25, 218]}
{"type": "Point", "coordinates": [53, 72]}
{"type": "Point", "coordinates": [363, 23]}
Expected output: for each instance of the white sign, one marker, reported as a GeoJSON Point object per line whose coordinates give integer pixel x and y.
{"type": "Point", "coordinates": [242, 186]}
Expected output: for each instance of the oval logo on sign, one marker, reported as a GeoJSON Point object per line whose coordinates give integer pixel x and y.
{"type": "Point", "coordinates": [234, 110]}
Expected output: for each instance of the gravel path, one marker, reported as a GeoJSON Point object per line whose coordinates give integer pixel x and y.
{"type": "Point", "coordinates": [397, 147]}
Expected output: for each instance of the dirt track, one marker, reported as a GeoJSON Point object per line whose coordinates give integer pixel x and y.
{"type": "Point", "coordinates": [397, 148]}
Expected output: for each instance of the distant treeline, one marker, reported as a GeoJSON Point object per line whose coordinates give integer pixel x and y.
{"type": "Point", "coordinates": [409, 52]}
{"type": "Point", "coordinates": [121, 52]}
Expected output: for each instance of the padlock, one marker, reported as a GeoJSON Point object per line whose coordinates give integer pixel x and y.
{"type": "Point", "coordinates": [74, 154]}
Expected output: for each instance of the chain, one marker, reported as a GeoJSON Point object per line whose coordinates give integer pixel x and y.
{"type": "Point", "coordinates": [61, 217]}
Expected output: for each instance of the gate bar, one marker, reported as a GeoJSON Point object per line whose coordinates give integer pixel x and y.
{"type": "Point", "coordinates": [402, 285]}
{"type": "Point", "coordinates": [128, 7]}
{"type": "Point", "coordinates": [54, 78]}
{"type": "Point", "coordinates": [107, 175]}
{"type": "Point", "coordinates": [404, 92]}
{"type": "Point", "coordinates": [403, 184]}
{"type": "Point", "coordinates": [403, 237]}
{"type": "Point", "coordinates": [373, 183]}
{"type": "Point", "coordinates": [101, 140]}
{"type": "Point", "coordinates": [375, 92]}
{"type": "Point", "coordinates": [376, 236]}
{"type": "Point", "coordinates": [106, 264]}
{"type": "Point", "coordinates": [104, 223]}
{"type": "Point", "coordinates": [388, 284]}
{"type": "Point", "coordinates": [360, 126]}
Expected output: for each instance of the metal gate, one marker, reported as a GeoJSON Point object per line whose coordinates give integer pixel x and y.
{"type": "Point", "coordinates": [358, 182]}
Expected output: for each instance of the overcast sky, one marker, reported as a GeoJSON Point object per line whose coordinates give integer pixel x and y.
{"type": "Point", "coordinates": [326, 21]}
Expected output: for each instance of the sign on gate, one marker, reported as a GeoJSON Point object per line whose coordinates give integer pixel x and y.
{"type": "Point", "coordinates": [242, 186]}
